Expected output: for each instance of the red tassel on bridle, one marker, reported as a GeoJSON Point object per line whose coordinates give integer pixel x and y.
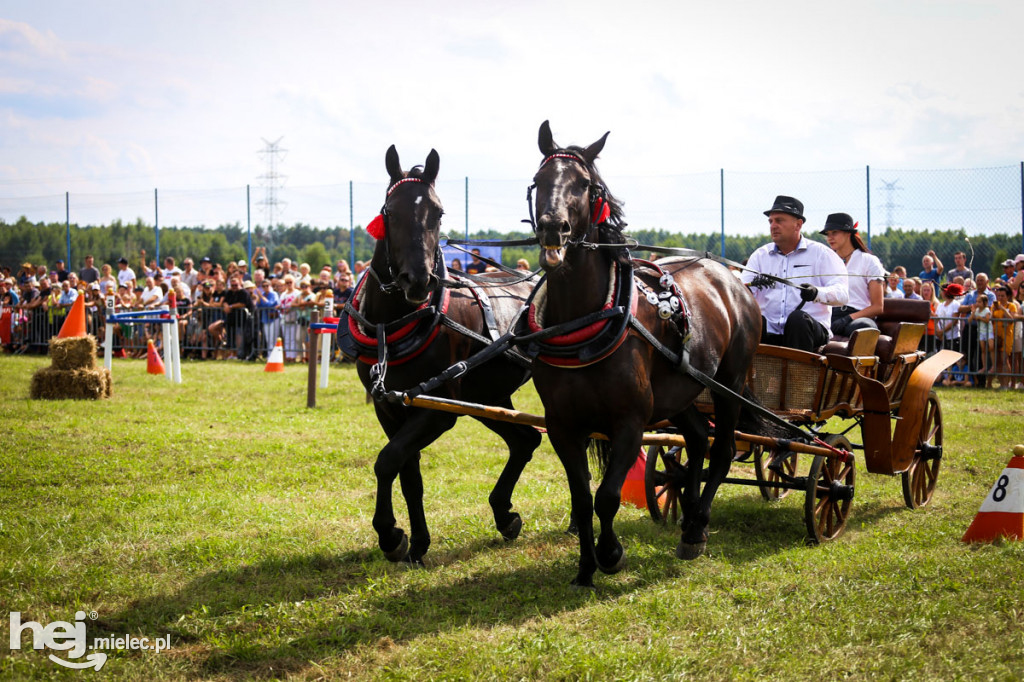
{"type": "Point", "coordinates": [376, 227]}
{"type": "Point", "coordinates": [601, 211]}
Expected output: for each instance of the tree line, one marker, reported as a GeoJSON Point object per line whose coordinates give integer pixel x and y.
{"type": "Point", "coordinates": [36, 243]}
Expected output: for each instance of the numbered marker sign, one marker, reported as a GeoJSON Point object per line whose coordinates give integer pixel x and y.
{"type": "Point", "coordinates": [1007, 495]}
{"type": "Point", "coordinates": [1002, 513]}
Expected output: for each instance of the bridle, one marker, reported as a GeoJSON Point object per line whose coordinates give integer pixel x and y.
{"type": "Point", "coordinates": [598, 203]}
{"type": "Point", "coordinates": [391, 285]}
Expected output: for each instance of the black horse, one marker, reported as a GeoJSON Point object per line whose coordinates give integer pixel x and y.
{"type": "Point", "coordinates": [628, 365]}
{"type": "Point", "coordinates": [406, 328]}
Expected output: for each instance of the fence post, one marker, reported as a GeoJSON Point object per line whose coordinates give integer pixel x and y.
{"type": "Point", "coordinates": [351, 232]}
{"type": "Point", "coordinates": [467, 207]}
{"type": "Point", "coordinates": [156, 226]}
{"type": "Point", "coordinates": [248, 226]}
{"type": "Point", "coordinates": [867, 184]}
{"type": "Point", "coordinates": [67, 224]}
{"type": "Point", "coordinates": [1022, 206]}
{"type": "Point", "coordinates": [721, 208]}
{"type": "Point", "coordinates": [311, 357]}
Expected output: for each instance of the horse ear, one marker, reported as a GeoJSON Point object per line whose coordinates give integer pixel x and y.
{"type": "Point", "coordinates": [392, 164]}
{"type": "Point", "coordinates": [545, 141]}
{"type": "Point", "coordinates": [433, 165]}
{"type": "Point", "coordinates": [591, 152]}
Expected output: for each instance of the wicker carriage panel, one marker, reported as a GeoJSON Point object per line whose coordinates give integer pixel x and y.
{"type": "Point", "coordinates": [781, 384]}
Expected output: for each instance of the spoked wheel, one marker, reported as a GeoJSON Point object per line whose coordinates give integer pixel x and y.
{"type": "Point", "coordinates": [829, 494]}
{"type": "Point", "coordinates": [767, 478]}
{"type": "Point", "coordinates": [920, 479]}
{"type": "Point", "coordinates": [663, 486]}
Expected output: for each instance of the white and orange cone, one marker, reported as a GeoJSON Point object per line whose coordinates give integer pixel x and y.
{"type": "Point", "coordinates": [1002, 513]}
{"type": "Point", "coordinates": [275, 363]}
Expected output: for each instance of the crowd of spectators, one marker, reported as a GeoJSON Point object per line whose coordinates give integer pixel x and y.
{"type": "Point", "coordinates": [234, 311]}
{"type": "Point", "coordinates": [972, 314]}
{"type": "Point", "coordinates": [224, 310]}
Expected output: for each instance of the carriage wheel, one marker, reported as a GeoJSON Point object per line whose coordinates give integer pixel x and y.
{"type": "Point", "coordinates": [920, 479]}
{"type": "Point", "coordinates": [829, 494]}
{"type": "Point", "coordinates": [662, 483]}
{"type": "Point", "coordinates": [766, 477]}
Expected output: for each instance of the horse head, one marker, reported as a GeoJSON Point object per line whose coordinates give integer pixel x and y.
{"type": "Point", "coordinates": [412, 225]}
{"type": "Point", "coordinates": [569, 193]}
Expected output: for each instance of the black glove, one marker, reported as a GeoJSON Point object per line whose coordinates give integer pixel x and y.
{"type": "Point", "coordinates": [808, 292]}
{"type": "Point", "coordinates": [839, 325]}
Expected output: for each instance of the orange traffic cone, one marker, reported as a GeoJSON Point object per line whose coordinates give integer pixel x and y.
{"type": "Point", "coordinates": [275, 363]}
{"type": "Point", "coordinates": [633, 488]}
{"type": "Point", "coordinates": [1002, 512]}
{"type": "Point", "coordinates": [154, 365]}
{"type": "Point", "coordinates": [74, 323]}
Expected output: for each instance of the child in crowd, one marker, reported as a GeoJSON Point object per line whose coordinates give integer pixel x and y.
{"type": "Point", "coordinates": [982, 314]}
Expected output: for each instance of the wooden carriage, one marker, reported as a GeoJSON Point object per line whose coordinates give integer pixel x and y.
{"type": "Point", "coordinates": [877, 378]}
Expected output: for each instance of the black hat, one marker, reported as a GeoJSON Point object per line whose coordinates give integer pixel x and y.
{"type": "Point", "coordinates": [205, 259]}
{"type": "Point", "coordinates": [841, 222]}
{"type": "Point", "coordinates": [793, 207]}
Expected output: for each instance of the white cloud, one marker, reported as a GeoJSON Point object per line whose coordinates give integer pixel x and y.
{"type": "Point", "coordinates": [127, 96]}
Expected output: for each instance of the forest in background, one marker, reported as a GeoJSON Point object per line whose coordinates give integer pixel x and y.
{"type": "Point", "coordinates": [36, 243]}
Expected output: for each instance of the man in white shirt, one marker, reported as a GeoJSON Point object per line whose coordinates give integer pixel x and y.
{"type": "Point", "coordinates": [125, 275]}
{"type": "Point", "coordinates": [170, 269]}
{"type": "Point", "coordinates": [151, 295]}
{"type": "Point", "coordinates": [796, 317]}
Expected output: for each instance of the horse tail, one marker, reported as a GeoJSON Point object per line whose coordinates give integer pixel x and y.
{"type": "Point", "coordinates": [753, 421]}
{"type": "Point", "coordinates": [599, 452]}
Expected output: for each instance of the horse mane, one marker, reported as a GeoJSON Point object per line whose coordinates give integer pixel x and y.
{"type": "Point", "coordinates": [612, 230]}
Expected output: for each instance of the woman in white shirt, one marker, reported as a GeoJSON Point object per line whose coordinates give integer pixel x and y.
{"type": "Point", "coordinates": [866, 276]}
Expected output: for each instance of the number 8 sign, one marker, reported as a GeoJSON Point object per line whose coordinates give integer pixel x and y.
{"type": "Point", "coordinates": [1002, 512]}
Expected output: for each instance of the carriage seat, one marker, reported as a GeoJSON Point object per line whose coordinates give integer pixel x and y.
{"type": "Point", "coordinates": [898, 313]}
{"type": "Point", "coordinates": [895, 313]}
{"type": "Point", "coordinates": [861, 342]}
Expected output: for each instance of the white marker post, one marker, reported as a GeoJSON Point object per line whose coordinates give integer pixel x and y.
{"type": "Point", "coordinates": [174, 368]}
{"type": "Point", "coordinates": [108, 335]}
{"type": "Point", "coordinates": [325, 345]}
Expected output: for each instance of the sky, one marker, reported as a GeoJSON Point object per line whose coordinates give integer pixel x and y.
{"type": "Point", "coordinates": [107, 101]}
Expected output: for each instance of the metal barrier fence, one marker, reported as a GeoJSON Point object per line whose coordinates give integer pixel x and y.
{"type": "Point", "coordinates": [207, 333]}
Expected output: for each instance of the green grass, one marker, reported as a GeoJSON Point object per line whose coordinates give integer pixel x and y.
{"type": "Point", "coordinates": [225, 514]}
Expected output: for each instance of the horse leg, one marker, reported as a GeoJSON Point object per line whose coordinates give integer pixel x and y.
{"type": "Point", "coordinates": [694, 427]}
{"type": "Point", "coordinates": [571, 449]}
{"type": "Point", "coordinates": [522, 441]}
{"type": "Point", "coordinates": [624, 449]}
{"type": "Point", "coordinates": [405, 440]}
{"type": "Point", "coordinates": [411, 481]}
{"type": "Point", "coordinates": [720, 458]}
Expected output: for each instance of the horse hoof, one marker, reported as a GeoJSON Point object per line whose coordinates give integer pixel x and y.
{"type": "Point", "coordinates": [511, 531]}
{"type": "Point", "coordinates": [580, 587]}
{"type": "Point", "coordinates": [399, 553]}
{"type": "Point", "coordinates": [617, 566]}
{"type": "Point", "coordinates": [573, 529]}
{"type": "Point", "coordinates": [689, 552]}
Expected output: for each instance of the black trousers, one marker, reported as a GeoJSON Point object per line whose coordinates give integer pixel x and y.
{"type": "Point", "coordinates": [801, 332]}
{"type": "Point", "coordinates": [841, 326]}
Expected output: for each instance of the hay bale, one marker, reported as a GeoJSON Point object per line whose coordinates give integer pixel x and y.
{"type": "Point", "coordinates": [50, 383]}
{"type": "Point", "coordinates": [78, 352]}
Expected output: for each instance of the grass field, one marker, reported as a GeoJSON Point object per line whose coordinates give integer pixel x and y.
{"type": "Point", "coordinates": [226, 515]}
